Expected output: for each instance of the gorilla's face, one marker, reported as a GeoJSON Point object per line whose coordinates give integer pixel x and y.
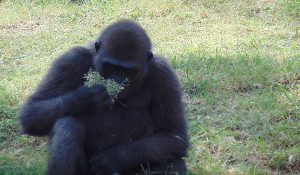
{"type": "Point", "coordinates": [123, 52]}
{"type": "Point", "coordinates": [121, 70]}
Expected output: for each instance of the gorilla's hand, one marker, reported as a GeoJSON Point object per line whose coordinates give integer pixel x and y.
{"type": "Point", "coordinates": [109, 161]}
{"type": "Point", "coordinates": [87, 100]}
{"type": "Point", "coordinates": [103, 163]}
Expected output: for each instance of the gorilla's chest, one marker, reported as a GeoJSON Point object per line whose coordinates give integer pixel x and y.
{"type": "Point", "coordinates": [121, 124]}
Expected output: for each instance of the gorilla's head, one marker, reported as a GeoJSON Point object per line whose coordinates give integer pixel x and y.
{"type": "Point", "coordinates": [123, 51]}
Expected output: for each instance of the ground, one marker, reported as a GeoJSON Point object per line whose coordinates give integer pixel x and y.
{"type": "Point", "coordinates": [238, 61]}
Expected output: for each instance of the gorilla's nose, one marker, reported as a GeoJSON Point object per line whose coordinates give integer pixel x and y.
{"type": "Point", "coordinates": [117, 78]}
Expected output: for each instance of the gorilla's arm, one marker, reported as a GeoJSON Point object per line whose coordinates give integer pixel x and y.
{"type": "Point", "coordinates": [52, 97]}
{"type": "Point", "coordinates": [170, 140]}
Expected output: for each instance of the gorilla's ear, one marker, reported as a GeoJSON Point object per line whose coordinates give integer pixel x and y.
{"type": "Point", "coordinates": [149, 55]}
{"type": "Point", "coordinates": [97, 46]}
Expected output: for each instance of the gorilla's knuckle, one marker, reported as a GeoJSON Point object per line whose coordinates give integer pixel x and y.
{"type": "Point", "coordinates": [100, 87]}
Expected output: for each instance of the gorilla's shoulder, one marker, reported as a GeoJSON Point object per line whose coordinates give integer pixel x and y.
{"type": "Point", "coordinates": [74, 57]}
{"type": "Point", "coordinates": [77, 53]}
{"type": "Point", "coordinates": [162, 75]}
{"type": "Point", "coordinates": [161, 68]}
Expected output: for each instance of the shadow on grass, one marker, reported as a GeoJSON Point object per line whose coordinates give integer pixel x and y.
{"type": "Point", "coordinates": [240, 111]}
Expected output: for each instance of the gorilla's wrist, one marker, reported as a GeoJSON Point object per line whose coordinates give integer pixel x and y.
{"type": "Point", "coordinates": [71, 104]}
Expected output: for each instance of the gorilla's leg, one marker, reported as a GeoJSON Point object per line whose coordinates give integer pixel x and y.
{"type": "Point", "coordinates": [177, 167]}
{"type": "Point", "coordinates": [66, 151]}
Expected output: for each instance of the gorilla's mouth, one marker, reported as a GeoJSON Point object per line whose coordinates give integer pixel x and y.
{"type": "Point", "coordinates": [117, 78]}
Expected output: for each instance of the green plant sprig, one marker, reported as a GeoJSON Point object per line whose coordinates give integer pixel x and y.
{"type": "Point", "coordinates": [113, 88]}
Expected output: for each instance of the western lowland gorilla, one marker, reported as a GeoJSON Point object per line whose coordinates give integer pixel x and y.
{"type": "Point", "coordinates": [143, 131]}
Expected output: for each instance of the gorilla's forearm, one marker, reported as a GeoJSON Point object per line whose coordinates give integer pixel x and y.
{"type": "Point", "coordinates": [159, 148]}
{"type": "Point", "coordinates": [49, 102]}
{"type": "Point", "coordinates": [38, 117]}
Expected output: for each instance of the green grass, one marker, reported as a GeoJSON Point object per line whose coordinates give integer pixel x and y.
{"type": "Point", "coordinates": [239, 63]}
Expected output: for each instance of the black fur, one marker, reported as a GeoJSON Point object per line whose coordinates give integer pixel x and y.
{"type": "Point", "coordinates": [143, 131]}
{"type": "Point", "coordinates": [97, 46]}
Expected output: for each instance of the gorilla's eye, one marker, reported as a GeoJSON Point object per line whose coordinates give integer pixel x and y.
{"type": "Point", "coordinates": [97, 46]}
{"type": "Point", "coordinates": [109, 67]}
{"type": "Point", "coordinates": [131, 71]}
{"type": "Point", "coordinates": [149, 55]}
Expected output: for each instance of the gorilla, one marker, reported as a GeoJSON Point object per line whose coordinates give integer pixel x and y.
{"type": "Point", "coordinates": [143, 131]}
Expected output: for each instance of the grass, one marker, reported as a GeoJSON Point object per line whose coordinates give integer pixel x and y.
{"type": "Point", "coordinates": [239, 63]}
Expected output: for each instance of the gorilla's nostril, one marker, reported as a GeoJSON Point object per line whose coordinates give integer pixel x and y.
{"type": "Point", "coordinates": [117, 78]}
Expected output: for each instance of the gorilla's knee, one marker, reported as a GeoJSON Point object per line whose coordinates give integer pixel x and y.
{"type": "Point", "coordinates": [65, 146]}
{"type": "Point", "coordinates": [67, 136]}
{"type": "Point", "coordinates": [68, 127]}
{"type": "Point", "coordinates": [177, 167]}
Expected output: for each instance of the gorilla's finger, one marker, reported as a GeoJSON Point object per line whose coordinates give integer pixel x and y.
{"type": "Point", "coordinates": [103, 98]}
{"type": "Point", "coordinates": [100, 86]}
{"type": "Point", "coordinates": [105, 105]}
